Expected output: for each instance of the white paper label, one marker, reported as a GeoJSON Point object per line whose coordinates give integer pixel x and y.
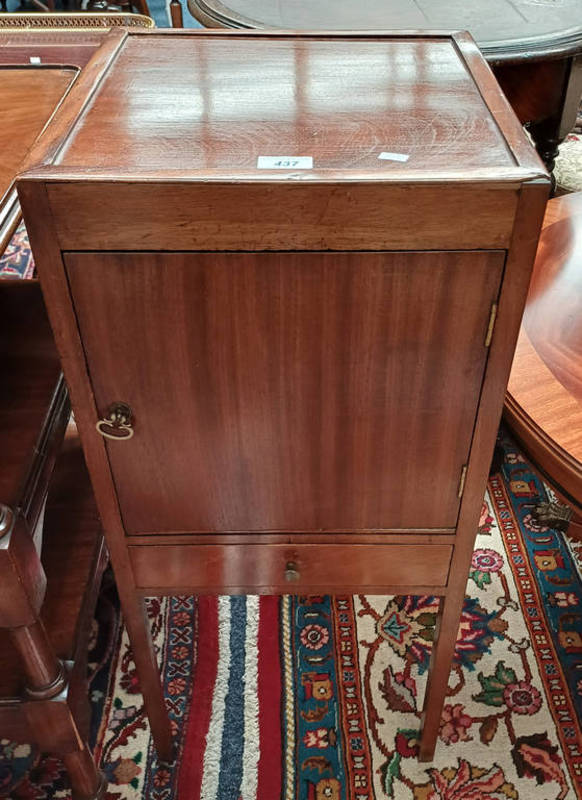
{"type": "Point", "coordinates": [35, 60]}
{"type": "Point", "coordinates": [284, 162]}
{"type": "Point", "coordinates": [394, 156]}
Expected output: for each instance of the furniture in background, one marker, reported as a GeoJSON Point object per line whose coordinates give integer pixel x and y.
{"type": "Point", "coordinates": [91, 6]}
{"type": "Point", "coordinates": [288, 364]}
{"type": "Point", "coordinates": [543, 405]}
{"type": "Point", "coordinates": [534, 49]}
{"type": "Point", "coordinates": [22, 45]}
{"type": "Point", "coordinates": [29, 94]}
{"type": "Point", "coordinates": [50, 565]}
{"type": "Point", "coordinates": [82, 22]}
{"type": "Point", "coordinates": [40, 57]}
{"type": "Point", "coordinates": [46, 598]}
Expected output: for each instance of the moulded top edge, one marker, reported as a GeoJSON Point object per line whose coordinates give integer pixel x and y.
{"type": "Point", "coordinates": [506, 178]}
{"type": "Point", "coordinates": [418, 106]}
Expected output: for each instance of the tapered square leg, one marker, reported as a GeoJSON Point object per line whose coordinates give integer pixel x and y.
{"type": "Point", "coordinates": [447, 629]}
{"type": "Point", "coordinates": [135, 617]}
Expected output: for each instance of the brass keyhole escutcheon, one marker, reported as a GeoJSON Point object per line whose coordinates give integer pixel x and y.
{"type": "Point", "coordinates": [117, 424]}
{"type": "Point", "coordinates": [291, 572]}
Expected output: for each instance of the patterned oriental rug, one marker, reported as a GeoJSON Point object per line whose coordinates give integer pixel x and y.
{"type": "Point", "coordinates": [317, 698]}
{"type": "Point", "coordinates": [17, 261]}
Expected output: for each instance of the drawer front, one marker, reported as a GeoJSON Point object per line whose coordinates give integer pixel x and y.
{"type": "Point", "coordinates": [290, 569]}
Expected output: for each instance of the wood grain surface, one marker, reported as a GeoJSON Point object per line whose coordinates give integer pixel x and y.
{"type": "Point", "coordinates": [282, 215]}
{"type": "Point", "coordinates": [259, 568]}
{"type": "Point", "coordinates": [544, 398]}
{"type": "Point", "coordinates": [287, 391]}
{"type": "Point", "coordinates": [29, 96]}
{"type": "Point", "coordinates": [341, 101]}
{"type": "Point", "coordinates": [553, 312]}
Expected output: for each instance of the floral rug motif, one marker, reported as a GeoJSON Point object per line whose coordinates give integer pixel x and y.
{"type": "Point", "coordinates": [17, 261]}
{"type": "Point", "coordinates": [318, 698]}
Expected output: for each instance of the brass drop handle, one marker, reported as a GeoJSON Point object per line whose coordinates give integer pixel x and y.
{"type": "Point", "coordinates": [117, 424]}
{"type": "Point", "coordinates": [291, 572]}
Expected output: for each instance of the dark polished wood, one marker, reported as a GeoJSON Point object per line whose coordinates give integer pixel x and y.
{"type": "Point", "coordinates": [216, 569]}
{"type": "Point", "coordinates": [45, 674]}
{"type": "Point", "coordinates": [41, 700]}
{"type": "Point", "coordinates": [534, 48]}
{"type": "Point", "coordinates": [233, 127]}
{"type": "Point", "coordinates": [30, 381]}
{"type": "Point", "coordinates": [272, 418]}
{"type": "Point", "coordinates": [544, 400]}
{"type": "Point", "coordinates": [176, 13]}
{"type": "Point", "coordinates": [36, 705]}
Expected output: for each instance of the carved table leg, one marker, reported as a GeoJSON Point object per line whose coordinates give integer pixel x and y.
{"type": "Point", "coordinates": [45, 676]}
{"type": "Point", "coordinates": [550, 132]}
{"type": "Point", "coordinates": [547, 139]}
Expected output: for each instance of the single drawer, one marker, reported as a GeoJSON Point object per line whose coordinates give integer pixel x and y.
{"type": "Point", "coordinates": [291, 569]}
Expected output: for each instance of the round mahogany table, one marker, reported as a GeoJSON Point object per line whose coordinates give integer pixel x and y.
{"type": "Point", "coordinates": [544, 398]}
{"type": "Point", "coordinates": [534, 46]}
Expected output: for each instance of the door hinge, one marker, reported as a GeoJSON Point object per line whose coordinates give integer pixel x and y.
{"type": "Point", "coordinates": [462, 479]}
{"type": "Point", "coordinates": [491, 326]}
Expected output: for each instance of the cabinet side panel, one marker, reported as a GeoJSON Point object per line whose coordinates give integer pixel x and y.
{"type": "Point", "coordinates": [55, 289]}
{"type": "Point", "coordinates": [44, 241]}
{"type": "Point", "coordinates": [517, 274]}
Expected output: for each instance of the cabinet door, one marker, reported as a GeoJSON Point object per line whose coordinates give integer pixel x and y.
{"type": "Point", "coordinates": [287, 391]}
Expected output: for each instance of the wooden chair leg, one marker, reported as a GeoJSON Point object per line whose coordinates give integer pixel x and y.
{"type": "Point", "coordinates": [447, 629]}
{"type": "Point", "coordinates": [87, 782]}
{"type": "Point", "coordinates": [45, 676]}
{"type": "Point", "coordinates": [134, 614]}
{"type": "Point", "coordinates": [176, 14]}
{"type": "Point", "coordinates": [142, 7]}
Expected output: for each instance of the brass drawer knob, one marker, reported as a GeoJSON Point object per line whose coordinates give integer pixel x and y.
{"type": "Point", "coordinates": [291, 572]}
{"type": "Point", "coordinates": [117, 423]}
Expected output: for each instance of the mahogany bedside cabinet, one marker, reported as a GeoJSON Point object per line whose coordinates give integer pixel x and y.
{"type": "Point", "coordinates": [286, 274]}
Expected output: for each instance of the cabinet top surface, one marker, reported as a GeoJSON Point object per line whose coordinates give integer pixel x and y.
{"type": "Point", "coordinates": [209, 105]}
